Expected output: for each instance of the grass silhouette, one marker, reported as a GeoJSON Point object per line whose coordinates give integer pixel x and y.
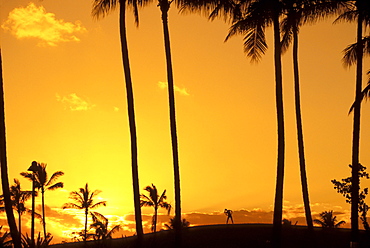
{"type": "Point", "coordinates": [237, 236]}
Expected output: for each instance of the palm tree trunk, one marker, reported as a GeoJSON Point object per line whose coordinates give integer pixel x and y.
{"type": "Point", "coordinates": [164, 6]}
{"type": "Point", "coordinates": [4, 167]}
{"type": "Point", "coordinates": [155, 219]}
{"type": "Point", "coordinates": [85, 234]}
{"type": "Point", "coordinates": [43, 210]}
{"type": "Point", "coordinates": [356, 134]}
{"type": "Point", "coordinates": [19, 224]}
{"type": "Point", "coordinates": [302, 163]}
{"type": "Point", "coordinates": [171, 98]}
{"type": "Point", "coordinates": [278, 205]}
{"type": "Point", "coordinates": [131, 117]}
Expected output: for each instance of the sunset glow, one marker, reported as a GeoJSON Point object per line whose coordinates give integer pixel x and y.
{"type": "Point", "coordinates": [66, 106]}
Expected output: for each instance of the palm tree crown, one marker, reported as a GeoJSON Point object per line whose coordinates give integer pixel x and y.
{"type": "Point", "coordinates": [328, 220]}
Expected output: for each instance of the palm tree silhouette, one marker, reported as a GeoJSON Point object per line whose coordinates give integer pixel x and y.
{"type": "Point", "coordinates": [4, 167]}
{"type": "Point", "coordinates": [252, 23]}
{"type": "Point", "coordinates": [18, 198]}
{"type": "Point", "coordinates": [84, 200]}
{"type": "Point", "coordinates": [100, 224]}
{"type": "Point", "coordinates": [164, 7]}
{"type": "Point", "coordinates": [172, 224]}
{"type": "Point", "coordinates": [155, 201]}
{"type": "Point", "coordinates": [358, 11]}
{"type": "Point", "coordinates": [100, 9]}
{"type": "Point", "coordinates": [328, 220]}
{"type": "Point", "coordinates": [296, 14]}
{"type": "Point", "coordinates": [44, 183]}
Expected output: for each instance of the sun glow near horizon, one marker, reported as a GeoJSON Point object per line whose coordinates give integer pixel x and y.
{"type": "Point", "coordinates": [66, 106]}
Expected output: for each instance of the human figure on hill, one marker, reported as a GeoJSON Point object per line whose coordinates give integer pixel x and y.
{"type": "Point", "coordinates": [229, 214]}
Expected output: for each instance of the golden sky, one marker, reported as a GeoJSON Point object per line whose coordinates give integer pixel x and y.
{"type": "Point", "coordinates": [66, 106]}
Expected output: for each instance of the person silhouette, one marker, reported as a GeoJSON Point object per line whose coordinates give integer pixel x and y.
{"type": "Point", "coordinates": [229, 214]}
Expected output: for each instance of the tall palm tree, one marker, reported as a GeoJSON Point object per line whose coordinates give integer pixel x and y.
{"type": "Point", "coordinates": [296, 14]}
{"type": "Point", "coordinates": [100, 9]}
{"type": "Point", "coordinates": [164, 7]}
{"type": "Point", "coordinates": [4, 167]}
{"type": "Point", "coordinates": [358, 11]}
{"type": "Point", "coordinates": [328, 220]}
{"type": "Point", "coordinates": [84, 200]}
{"type": "Point", "coordinates": [155, 201]}
{"type": "Point", "coordinates": [44, 183]}
{"type": "Point", "coordinates": [252, 24]}
{"type": "Point", "coordinates": [250, 18]}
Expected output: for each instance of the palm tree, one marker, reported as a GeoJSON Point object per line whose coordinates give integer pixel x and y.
{"type": "Point", "coordinates": [155, 201]}
{"type": "Point", "coordinates": [358, 11]}
{"type": "Point", "coordinates": [100, 224]}
{"type": "Point", "coordinates": [4, 168]}
{"type": "Point", "coordinates": [252, 24]}
{"type": "Point", "coordinates": [172, 224]}
{"type": "Point", "coordinates": [250, 18]}
{"type": "Point", "coordinates": [297, 13]}
{"type": "Point", "coordinates": [44, 183]}
{"type": "Point", "coordinates": [164, 7]}
{"type": "Point", "coordinates": [100, 9]}
{"type": "Point", "coordinates": [84, 199]}
{"type": "Point", "coordinates": [18, 198]}
{"type": "Point", "coordinates": [328, 220]}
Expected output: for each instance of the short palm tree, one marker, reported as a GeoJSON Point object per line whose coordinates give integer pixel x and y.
{"type": "Point", "coordinates": [155, 201]}
{"type": "Point", "coordinates": [44, 183]}
{"type": "Point", "coordinates": [100, 224]}
{"type": "Point", "coordinates": [4, 167]}
{"type": "Point", "coordinates": [328, 220]}
{"type": "Point", "coordinates": [19, 197]}
{"type": "Point", "coordinates": [172, 224]}
{"type": "Point", "coordinates": [84, 200]}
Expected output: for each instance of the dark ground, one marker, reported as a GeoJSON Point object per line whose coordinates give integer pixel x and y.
{"type": "Point", "coordinates": [237, 236]}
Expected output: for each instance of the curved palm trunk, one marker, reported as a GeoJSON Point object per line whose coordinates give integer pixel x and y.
{"type": "Point", "coordinates": [131, 117]}
{"type": "Point", "coordinates": [164, 6]}
{"type": "Point", "coordinates": [43, 211]}
{"type": "Point", "coordinates": [302, 163]}
{"type": "Point", "coordinates": [4, 168]}
{"type": "Point", "coordinates": [356, 134]}
{"type": "Point", "coordinates": [278, 205]}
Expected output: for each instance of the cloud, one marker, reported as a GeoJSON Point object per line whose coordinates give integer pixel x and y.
{"type": "Point", "coordinates": [74, 102]}
{"type": "Point", "coordinates": [35, 22]}
{"type": "Point", "coordinates": [182, 91]}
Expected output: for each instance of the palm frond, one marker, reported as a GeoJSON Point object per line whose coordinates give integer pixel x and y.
{"type": "Point", "coordinates": [102, 8]}
{"type": "Point", "coordinates": [349, 16]}
{"type": "Point", "coordinates": [54, 177]}
{"type": "Point", "coordinates": [71, 205]}
{"type": "Point", "coordinates": [56, 186]}
{"type": "Point", "coordinates": [98, 204]}
{"type": "Point", "coordinates": [350, 52]}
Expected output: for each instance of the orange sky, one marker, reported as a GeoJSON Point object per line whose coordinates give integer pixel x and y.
{"type": "Point", "coordinates": [66, 106]}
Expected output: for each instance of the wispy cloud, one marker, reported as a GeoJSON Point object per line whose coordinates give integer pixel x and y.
{"type": "Point", "coordinates": [74, 102]}
{"type": "Point", "coordinates": [35, 22]}
{"type": "Point", "coordinates": [182, 91]}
